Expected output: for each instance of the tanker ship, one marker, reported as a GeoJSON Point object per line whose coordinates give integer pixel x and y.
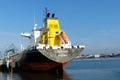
{"type": "Point", "coordinates": [49, 48]}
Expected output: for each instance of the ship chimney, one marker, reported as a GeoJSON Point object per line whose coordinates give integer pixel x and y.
{"type": "Point", "coordinates": [53, 15]}
{"type": "Point", "coordinates": [48, 15]}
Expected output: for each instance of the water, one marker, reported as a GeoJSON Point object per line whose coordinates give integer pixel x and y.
{"type": "Point", "coordinates": [79, 69]}
{"type": "Point", "coordinates": [95, 69]}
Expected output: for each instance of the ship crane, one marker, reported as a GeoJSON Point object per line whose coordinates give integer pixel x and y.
{"type": "Point", "coordinates": [11, 51]}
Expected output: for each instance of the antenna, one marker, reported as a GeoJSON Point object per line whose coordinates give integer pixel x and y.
{"type": "Point", "coordinates": [46, 12]}
{"type": "Point", "coordinates": [34, 15]}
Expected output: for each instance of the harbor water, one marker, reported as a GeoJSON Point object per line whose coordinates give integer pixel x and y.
{"type": "Point", "coordinates": [78, 69]}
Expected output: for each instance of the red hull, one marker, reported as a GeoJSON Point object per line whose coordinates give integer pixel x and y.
{"type": "Point", "coordinates": [33, 60]}
{"type": "Point", "coordinates": [44, 66]}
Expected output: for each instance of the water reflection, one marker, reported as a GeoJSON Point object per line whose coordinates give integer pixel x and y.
{"type": "Point", "coordinates": [34, 76]}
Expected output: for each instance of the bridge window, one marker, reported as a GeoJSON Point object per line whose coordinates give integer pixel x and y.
{"type": "Point", "coordinates": [56, 26]}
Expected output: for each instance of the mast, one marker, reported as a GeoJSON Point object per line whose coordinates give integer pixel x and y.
{"type": "Point", "coordinates": [46, 12]}
{"type": "Point", "coordinates": [47, 15]}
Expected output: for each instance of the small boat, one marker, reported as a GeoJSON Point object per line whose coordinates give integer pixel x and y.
{"type": "Point", "coordinates": [49, 48]}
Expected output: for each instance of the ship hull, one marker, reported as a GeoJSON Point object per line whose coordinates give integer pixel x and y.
{"type": "Point", "coordinates": [34, 59]}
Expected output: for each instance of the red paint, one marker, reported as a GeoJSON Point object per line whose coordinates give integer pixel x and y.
{"type": "Point", "coordinates": [42, 66]}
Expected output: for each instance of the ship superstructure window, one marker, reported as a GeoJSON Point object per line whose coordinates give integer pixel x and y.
{"type": "Point", "coordinates": [51, 25]}
{"type": "Point", "coordinates": [56, 26]}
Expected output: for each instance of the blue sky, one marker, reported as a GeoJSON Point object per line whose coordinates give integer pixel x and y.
{"type": "Point", "coordinates": [93, 23]}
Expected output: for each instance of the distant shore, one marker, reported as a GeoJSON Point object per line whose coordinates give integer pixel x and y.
{"type": "Point", "coordinates": [98, 56]}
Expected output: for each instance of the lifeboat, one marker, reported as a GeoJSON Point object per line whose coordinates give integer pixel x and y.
{"type": "Point", "coordinates": [64, 37]}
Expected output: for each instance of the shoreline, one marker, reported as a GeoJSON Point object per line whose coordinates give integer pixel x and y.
{"type": "Point", "coordinates": [88, 56]}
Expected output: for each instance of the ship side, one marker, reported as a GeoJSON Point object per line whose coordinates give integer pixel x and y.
{"type": "Point", "coordinates": [46, 59]}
